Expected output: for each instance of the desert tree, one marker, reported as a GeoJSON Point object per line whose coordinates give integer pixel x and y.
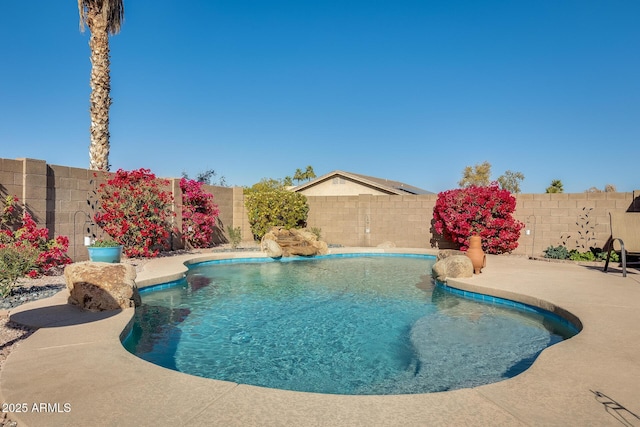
{"type": "Point", "coordinates": [510, 181]}
{"type": "Point", "coordinates": [609, 188]}
{"type": "Point", "coordinates": [208, 177]}
{"type": "Point", "coordinates": [478, 175]}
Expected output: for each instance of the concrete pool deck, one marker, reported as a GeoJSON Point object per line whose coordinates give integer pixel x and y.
{"type": "Point", "coordinates": [76, 364]}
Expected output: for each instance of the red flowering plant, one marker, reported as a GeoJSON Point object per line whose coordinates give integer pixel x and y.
{"type": "Point", "coordinates": [136, 212]}
{"type": "Point", "coordinates": [484, 211]}
{"type": "Point", "coordinates": [199, 214]}
{"type": "Point", "coordinates": [52, 253]}
{"type": "Point", "coordinates": [30, 246]}
{"type": "Point", "coordinates": [10, 214]}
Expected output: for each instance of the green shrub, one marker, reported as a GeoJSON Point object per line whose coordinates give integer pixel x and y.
{"type": "Point", "coordinates": [557, 252]}
{"type": "Point", "coordinates": [317, 231]}
{"type": "Point", "coordinates": [15, 262]}
{"type": "Point", "coordinates": [602, 255]}
{"type": "Point", "coordinates": [574, 255]}
{"type": "Point", "coordinates": [235, 236]}
{"type": "Point", "coordinates": [104, 243]}
{"type": "Point", "coordinates": [23, 234]}
{"type": "Point", "coordinates": [593, 254]}
{"type": "Point", "coordinates": [269, 204]}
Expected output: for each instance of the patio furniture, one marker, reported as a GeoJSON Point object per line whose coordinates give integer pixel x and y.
{"type": "Point", "coordinates": [625, 228]}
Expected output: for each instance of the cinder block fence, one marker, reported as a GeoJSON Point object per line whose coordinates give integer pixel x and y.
{"type": "Point", "coordinates": [57, 198]}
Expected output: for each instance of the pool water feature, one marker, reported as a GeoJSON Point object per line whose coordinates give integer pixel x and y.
{"type": "Point", "coordinates": [337, 324]}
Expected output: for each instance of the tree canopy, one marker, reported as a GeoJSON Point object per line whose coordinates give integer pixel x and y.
{"type": "Point", "coordinates": [479, 175]}
{"type": "Point", "coordinates": [208, 177]}
{"type": "Point", "coordinates": [307, 175]}
{"type": "Point", "coordinates": [609, 188]}
{"type": "Point", "coordinates": [510, 181]}
{"type": "Point", "coordinates": [555, 187]}
{"type": "Point", "coordinates": [270, 204]}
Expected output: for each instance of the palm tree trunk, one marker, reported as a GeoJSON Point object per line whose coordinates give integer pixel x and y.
{"type": "Point", "coordinates": [99, 100]}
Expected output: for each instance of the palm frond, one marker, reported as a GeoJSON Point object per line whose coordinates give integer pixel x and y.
{"type": "Point", "coordinates": [110, 12]}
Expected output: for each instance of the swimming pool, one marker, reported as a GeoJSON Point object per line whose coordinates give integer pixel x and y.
{"type": "Point", "coordinates": [338, 324]}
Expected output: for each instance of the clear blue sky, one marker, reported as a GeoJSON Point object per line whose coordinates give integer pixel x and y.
{"type": "Point", "coordinates": [411, 91]}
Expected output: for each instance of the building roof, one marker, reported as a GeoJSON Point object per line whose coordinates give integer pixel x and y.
{"type": "Point", "coordinates": [381, 184]}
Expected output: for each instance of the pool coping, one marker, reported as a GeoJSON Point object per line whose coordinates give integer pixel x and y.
{"type": "Point", "coordinates": [76, 358]}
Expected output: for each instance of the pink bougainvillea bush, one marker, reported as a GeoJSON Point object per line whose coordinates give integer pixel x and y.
{"type": "Point", "coordinates": [485, 211]}
{"type": "Point", "coordinates": [38, 254]}
{"type": "Point", "coordinates": [136, 212]}
{"type": "Point", "coordinates": [199, 214]}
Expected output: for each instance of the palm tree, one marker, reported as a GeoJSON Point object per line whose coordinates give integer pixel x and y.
{"type": "Point", "coordinates": [309, 174]}
{"type": "Point", "coordinates": [555, 187]}
{"type": "Point", "coordinates": [298, 176]}
{"type": "Point", "coordinates": [104, 18]}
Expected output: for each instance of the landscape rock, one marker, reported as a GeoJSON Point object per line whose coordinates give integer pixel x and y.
{"type": "Point", "coordinates": [293, 242]}
{"type": "Point", "coordinates": [100, 286]}
{"type": "Point", "coordinates": [452, 267]}
{"type": "Point", "coordinates": [271, 248]}
{"type": "Point", "coordinates": [445, 253]}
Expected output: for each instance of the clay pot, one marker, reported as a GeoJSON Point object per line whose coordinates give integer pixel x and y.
{"type": "Point", "coordinates": [476, 254]}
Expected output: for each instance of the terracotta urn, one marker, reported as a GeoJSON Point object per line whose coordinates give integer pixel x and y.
{"type": "Point", "coordinates": [476, 254]}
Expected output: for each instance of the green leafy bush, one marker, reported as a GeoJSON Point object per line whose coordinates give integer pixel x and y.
{"type": "Point", "coordinates": [557, 252]}
{"type": "Point", "coordinates": [574, 255]}
{"type": "Point", "coordinates": [104, 243]}
{"type": "Point", "coordinates": [235, 236]}
{"type": "Point", "coordinates": [19, 231]}
{"type": "Point", "coordinates": [601, 255]}
{"type": "Point", "coordinates": [15, 262]}
{"type": "Point", "coordinates": [317, 231]}
{"type": "Point", "coordinates": [593, 254]}
{"type": "Point", "coordinates": [269, 204]}
{"type": "Point", "coordinates": [10, 213]}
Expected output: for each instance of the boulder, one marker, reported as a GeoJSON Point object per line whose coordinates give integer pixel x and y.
{"type": "Point", "coordinates": [445, 253]}
{"type": "Point", "coordinates": [292, 242]}
{"type": "Point", "coordinates": [452, 267]}
{"type": "Point", "coordinates": [271, 248]}
{"type": "Point", "coordinates": [101, 286]}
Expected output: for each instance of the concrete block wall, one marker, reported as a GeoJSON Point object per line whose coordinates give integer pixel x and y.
{"type": "Point", "coordinates": [337, 217]}
{"type": "Point", "coordinates": [68, 212]}
{"type": "Point", "coordinates": [57, 198]}
{"type": "Point", "coordinates": [575, 220]}
{"type": "Point", "coordinates": [239, 214]}
{"type": "Point", "coordinates": [27, 179]}
{"type": "Point", "coordinates": [11, 178]}
{"type": "Point", "coordinates": [369, 220]}
{"type": "Point", "coordinates": [54, 195]}
{"type": "Point", "coordinates": [230, 203]}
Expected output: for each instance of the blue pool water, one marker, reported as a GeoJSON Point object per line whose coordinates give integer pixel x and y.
{"type": "Point", "coordinates": [341, 325]}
